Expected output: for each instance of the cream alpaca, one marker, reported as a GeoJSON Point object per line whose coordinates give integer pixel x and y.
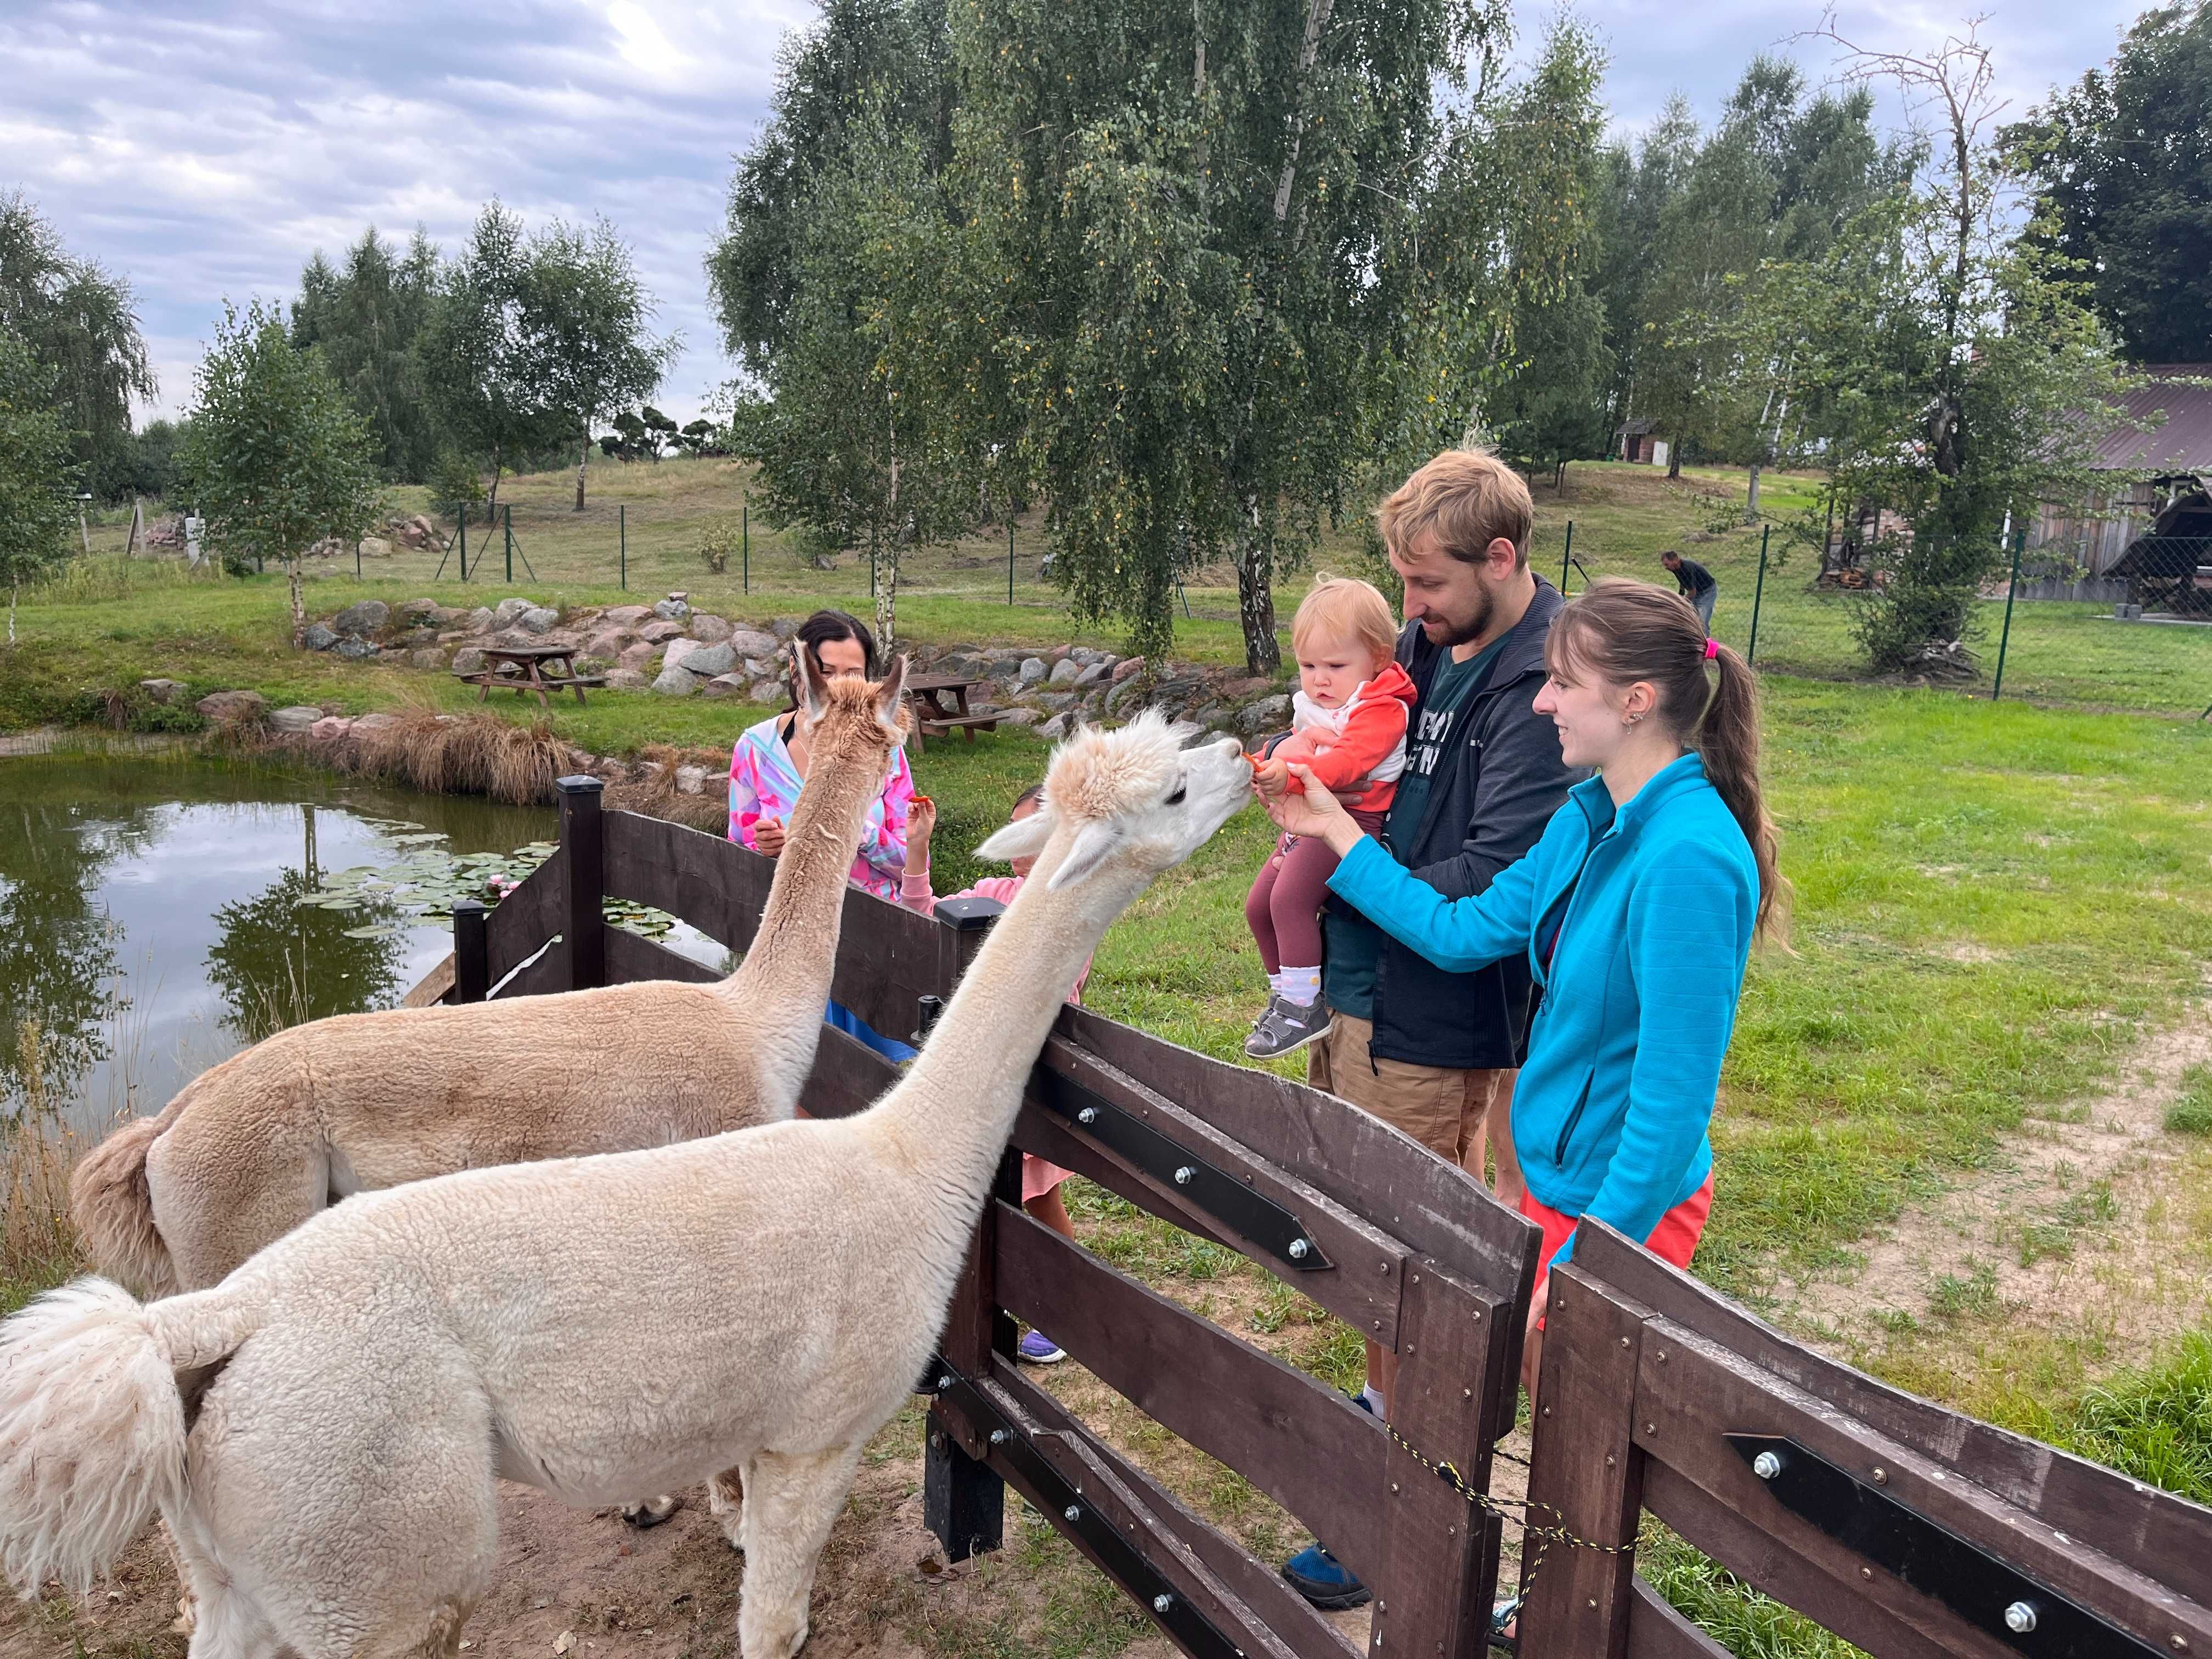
{"type": "Point", "coordinates": [252, 1148]}
{"type": "Point", "coordinates": [331, 1487]}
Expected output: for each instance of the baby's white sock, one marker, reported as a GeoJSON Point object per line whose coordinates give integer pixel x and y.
{"type": "Point", "coordinates": [1275, 982]}
{"type": "Point", "coordinates": [1375, 1399]}
{"type": "Point", "coordinates": [1300, 986]}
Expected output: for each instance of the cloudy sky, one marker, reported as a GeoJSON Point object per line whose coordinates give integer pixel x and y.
{"type": "Point", "coordinates": [207, 148]}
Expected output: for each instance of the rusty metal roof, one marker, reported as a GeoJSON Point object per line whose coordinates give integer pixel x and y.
{"type": "Point", "coordinates": [2183, 443]}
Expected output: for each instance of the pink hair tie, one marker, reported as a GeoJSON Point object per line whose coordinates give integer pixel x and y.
{"type": "Point", "coordinates": [1712, 649]}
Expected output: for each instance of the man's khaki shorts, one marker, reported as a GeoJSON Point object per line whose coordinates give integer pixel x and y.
{"type": "Point", "coordinates": [1440, 1108]}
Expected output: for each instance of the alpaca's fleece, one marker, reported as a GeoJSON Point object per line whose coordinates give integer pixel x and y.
{"type": "Point", "coordinates": [253, 1147]}
{"type": "Point", "coordinates": [601, 1327]}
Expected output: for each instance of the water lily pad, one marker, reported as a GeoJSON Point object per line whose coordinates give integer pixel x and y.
{"type": "Point", "coordinates": [375, 930]}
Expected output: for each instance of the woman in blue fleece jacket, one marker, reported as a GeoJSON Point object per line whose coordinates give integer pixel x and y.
{"type": "Point", "coordinates": [1637, 908]}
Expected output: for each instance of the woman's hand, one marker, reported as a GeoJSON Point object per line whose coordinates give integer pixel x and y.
{"type": "Point", "coordinates": [921, 825]}
{"type": "Point", "coordinates": [767, 836]}
{"type": "Point", "coordinates": [1316, 813]}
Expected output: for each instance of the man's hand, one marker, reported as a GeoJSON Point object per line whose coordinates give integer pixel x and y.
{"type": "Point", "coordinates": [767, 836]}
{"type": "Point", "coordinates": [1532, 1347]}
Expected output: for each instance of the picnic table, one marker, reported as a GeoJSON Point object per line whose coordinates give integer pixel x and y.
{"type": "Point", "coordinates": [523, 667]}
{"type": "Point", "coordinates": [933, 716]}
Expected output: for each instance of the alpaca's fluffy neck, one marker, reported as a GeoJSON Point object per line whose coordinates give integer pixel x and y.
{"type": "Point", "coordinates": [788, 969]}
{"type": "Point", "coordinates": [954, 1110]}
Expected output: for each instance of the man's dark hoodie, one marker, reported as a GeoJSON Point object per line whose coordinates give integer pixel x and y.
{"type": "Point", "coordinates": [1493, 790]}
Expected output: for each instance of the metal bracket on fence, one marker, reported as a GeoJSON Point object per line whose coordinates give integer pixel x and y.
{"type": "Point", "coordinates": [2026, 1616]}
{"type": "Point", "coordinates": [1195, 1181]}
{"type": "Point", "coordinates": [1063, 1505]}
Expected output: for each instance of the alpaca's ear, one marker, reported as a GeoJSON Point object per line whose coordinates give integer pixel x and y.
{"type": "Point", "coordinates": [1094, 844]}
{"type": "Point", "coordinates": [892, 693]}
{"type": "Point", "coordinates": [1024, 838]}
{"type": "Point", "coordinates": [812, 684]}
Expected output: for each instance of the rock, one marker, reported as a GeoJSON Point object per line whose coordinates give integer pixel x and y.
{"type": "Point", "coordinates": [510, 610]}
{"type": "Point", "coordinates": [375, 547]}
{"type": "Point", "coordinates": [675, 683]}
{"type": "Point", "coordinates": [421, 609]}
{"type": "Point", "coordinates": [330, 728]}
{"type": "Point", "coordinates": [660, 633]}
{"type": "Point", "coordinates": [753, 642]}
{"type": "Point", "coordinates": [1018, 717]}
{"type": "Point", "coordinates": [638, 655]}
{"type": "Point", "coordinates": [1124, 698]}
{"type": "Point", "coordinates": [705, 661]}
{"type": "Point", "coordinates": [966, 665]}
{"type": "Point", "coordinates": [609, 643]}
{"type": "Point", "coordinates": [678, 649]}
{"type": "Point", "coordinates": [690, 780]}
{"type": "Point", "coordinates": [1066, 671]}
{"type": "Point", "coordinates": [626, 680]}
{"type": "Point", "coordinates": [232, 705]}
{"type": "Point", "coordinates": [300, 718]}
{"type": "Point", "coordinates": [161, 691]}
{"type": "Point", "coordinates": [468, 661]}
{"type": "Point", "coordinates": [713, 629]}
{"type": "Point", "coordinates": [1127, 666]}
{"type": "Point", "coordinates": [1268, 714]}
{"type": "Point", "coordinates": [479, 620]}
{"type": "Point", "coordinates": [768, 693]}
{"type": "Point", "coordinates": [626, 616]}
{"type": "Point", "coordinates": [1213, 715]}
{"type": "Point", "coordinates": [1056, 699]}
{"type": "Point", "coordinates": [1238, 689]}
{"type": "Point", "coordinates": [1092, 674]}
{"type": "Point", "coordinates": [319, 636]}
{"type": "Point", "coordinates": [365, 616]}
{"type": "Point", "coordinates": [429, 659]}
{"type": "Point", "coordinates": [725, 685]}
{"type": "Point", "coordinates": [540, 621]}
{"type": "Point", "coordinates": [1033, 668]}
{"type": "Point", "coordinates": [372, 723]}
{"type": "Point", "coordinates": [354, 650]}
{"type": "Point", "coordinates": [784, 627]}
{"type": "Point", "coordinates": [1055, 728]}
{"type": "Point", "coordinates": [672, 609]}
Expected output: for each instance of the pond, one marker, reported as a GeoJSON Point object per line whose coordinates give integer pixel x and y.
{"type": "Point", "coordinates": [159, 912]}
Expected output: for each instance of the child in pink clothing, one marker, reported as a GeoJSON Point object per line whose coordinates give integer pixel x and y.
{"type": "Point", "coordinates": [1040, 1180]}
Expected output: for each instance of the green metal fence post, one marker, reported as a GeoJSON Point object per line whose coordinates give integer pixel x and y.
{"type": "Point", "coordinates": [356, 559]}
{"type": "Point", "coordinates": [1567, 557]}
{"type": "Point", "coordinates": [508, 524]}
{"type": "Point", "coordinates": [745, 537]}
{"type": "Point", "coordinates": [464, 541]}
{"type": "Point", "coordinates": [2012, 587]}
{"type": "Point", "coordinates": [1758, 594]}
{"type": "Point", "coordinates": [1009, 558]}
{"type": "Point", "coordinates": [622, 528]}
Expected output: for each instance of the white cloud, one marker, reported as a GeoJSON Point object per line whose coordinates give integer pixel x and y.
{"type": "Point", "coordinates": [207, 148]}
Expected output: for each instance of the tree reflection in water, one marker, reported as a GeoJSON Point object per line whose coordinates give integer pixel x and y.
{"type": "Point", "coordinates": [58, 961]}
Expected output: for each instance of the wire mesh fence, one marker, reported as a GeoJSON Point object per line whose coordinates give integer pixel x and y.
{"type": "Point", "coordinates": [2029, 638]}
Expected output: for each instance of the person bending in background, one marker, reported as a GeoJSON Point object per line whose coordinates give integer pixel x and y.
{"type": "Point", "coordinates": [767, 767]}
{"type": "Point", "coordinates": [1041, 1180]}
{"type": "Point", "coordinates": [1694, 583]}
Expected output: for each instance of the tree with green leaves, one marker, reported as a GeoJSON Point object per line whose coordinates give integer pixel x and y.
{"type": "Point", "coordinates": [479, 363]}
{"type": "Point", "coordinates": [862, 436]}
{"type": "Point", "coordinates": [82, 323]}
{"type": "Point", "coordinates": [38, 472]}
{"type": "Point", "coordinates": [1960, 380]}
{"type": "Point", "coordinates": [367, 315]}
{"type": "Point", "coordinates": [582, 320]}
{"type": "Point", "coordinates": [276, 457]}
{"type": "Point", "coordinates": [2124, 171]}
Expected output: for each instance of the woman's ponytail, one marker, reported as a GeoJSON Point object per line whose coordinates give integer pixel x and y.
{"type": "Point", "coordinates": [1629, 631]}
{"type": "Point", "coordinates": [1727, 740]}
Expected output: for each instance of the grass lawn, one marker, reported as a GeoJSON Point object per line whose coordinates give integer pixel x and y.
{"type": "Point", "coordinates": [1989, 897]}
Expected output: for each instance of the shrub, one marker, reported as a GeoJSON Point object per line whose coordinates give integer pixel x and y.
{"type": "Point", "coordinates": [721, 538]}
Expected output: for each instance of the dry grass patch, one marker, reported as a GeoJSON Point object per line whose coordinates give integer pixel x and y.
{"type": "Point", "coordinates": [477, 754]}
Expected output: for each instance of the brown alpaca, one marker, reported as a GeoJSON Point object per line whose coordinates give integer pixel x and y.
{"type": "Point", "coordinates": [254, 1147]}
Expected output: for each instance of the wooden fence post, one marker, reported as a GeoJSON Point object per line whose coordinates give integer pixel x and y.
{"type": "Point", "coordinates": [583, 840]}
{"type": "Point", "coordinates": [472, 952]}
{"type": "Point", "coordinates": [1585, 1475]}
{"type": "Point", "coordinates": [962, 1502]}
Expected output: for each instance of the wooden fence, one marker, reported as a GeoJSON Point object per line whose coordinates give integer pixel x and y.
{"type": "Point", "coordinates": [1907, 1529]}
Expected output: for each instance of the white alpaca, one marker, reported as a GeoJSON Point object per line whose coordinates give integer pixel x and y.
{"type": "Point", "coordinates": [323, 1430]}
{"type": "Point", "coordinates": [252, 1148]}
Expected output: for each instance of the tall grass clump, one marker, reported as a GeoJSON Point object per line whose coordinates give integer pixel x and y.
{"type": "Point", "coordinates": [477, 754]}
{"type": "Point", "coordinates": [98, 578]}
{"type": "Point", "coordinates": [38, 1244]}
{"type": "Point", "coordinates": [657, 797]}
{"type": "Point", "coordinates": [2155, 1423]}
